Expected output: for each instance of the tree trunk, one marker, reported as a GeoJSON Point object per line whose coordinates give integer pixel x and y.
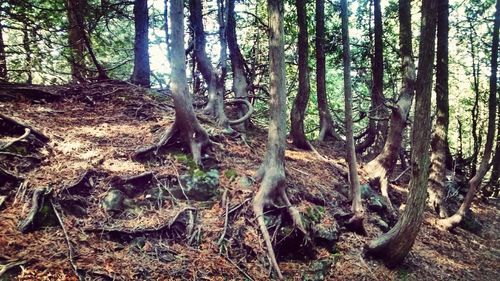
{"type": "Point", "coordinates": [29, 58]}
{"type": "Point", "coordinates": [376, 130]}
{"type": "Point", "coordinates": [3, 57]}
{"type": "Point", "coordinates": [439, 140]}
{"type": "Point", "coordinates": [300, 103]}
{"type": "Point", "coordinates": [475, 182]}
{"type": "Point", "coordinates": [394, 245]}
{"type": "Point", "coordinates": [186, 126]}
{"type": "Point", "coordinates": [475, 107]}
{"type": "Point", "coordinates": [141, 73]}
{"type": "Point", "coordinates": [378, 78]}
{"type": "Point", "coordinates": [356, 221]}
{"type": "Point", "coordinates": [215, 105]}
{"type": "Point", "coordinates": [75, 40]}
{"type": "Point", "coordinates": [326, 124]}
{"type": "Point", "coordinates": [271, 173]}
{"type": "Point", "coordinates": [381, 167]}
{"type": "Point", "coordinates": [165, 27]}
{"type": "Point", "coordinates": [240, 82]}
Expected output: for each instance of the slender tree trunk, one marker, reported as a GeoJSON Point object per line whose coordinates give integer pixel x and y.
{"type": "Point", "coordinates": [475, 107]}
{"type": "Point", "coordinates": [357, 206]}
{"type": "Point", "coordinates": [381, 167]}
{"type": "Point", "coordinates": [476, 180]}
{"type": "Point", "coordinates": [439, 140]}
{"type": "Point", "coordinates": [3, 57]}
{"type": "Point", "coordinates": [29, 58]}
{"type": "Point", "coordinates": [271, 173]}
{"type": "Point", "coordinates": [377, 129]}
{"type": "Point", "coordinates": [75, 40]}
{"type": "Point", "coordinates": [215, 105]}
{"type": "Point", "coordinates": [141, 73]}
{"type": "Point", "coordinates": [221, 79]}
{"type": "Point", "coordinates": [240, 82]}
{"type": "Point", "coordinates": [378, 78]}
{"type": "Point", "coordinates": [300, 103]}
{"type": "Point", "coordinates": [494, 184]}
{"type": "Point", "coordinates": [326, 124]}
{"type": "Point", "coordinates": [394, 245]}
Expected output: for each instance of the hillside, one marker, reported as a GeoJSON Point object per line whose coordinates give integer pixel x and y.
{"type": "Point", "coordinates": [106, 215]}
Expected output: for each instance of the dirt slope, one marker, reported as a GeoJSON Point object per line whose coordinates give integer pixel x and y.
{"type": "Point", "coordinates": [96, 129]}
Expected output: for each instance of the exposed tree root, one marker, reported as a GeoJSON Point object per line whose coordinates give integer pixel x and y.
{"type": "Point", "coordinates": [195, 141]}
{"type": "Point", "coordinates": [32, 92]}
{"type": "Point", "coordinates": [10, 265]}
{"type": "Point", "coordinates": [27, 131]}
{"type": "Point", "coordinates": [37, 203]}
{"type": "Point", "coordinates": [272, 192]}
{"type": "Point", "coordinates": [13, 122]}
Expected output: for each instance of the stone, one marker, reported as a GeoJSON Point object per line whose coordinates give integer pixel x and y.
{"type": "Point", "coordinates": [317, 271]}
{"type": "Point", "coordinates": [326, 236]}
{"type": "Point", "coordinates": [114, 201]}
{"type": "Point", "coordinates": [198, 186]}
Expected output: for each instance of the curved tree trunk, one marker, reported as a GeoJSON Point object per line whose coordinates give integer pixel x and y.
{"type": "Point", "coordinates": [356, 221]}
{"type": "Point", "coordinates": [240, 82]}
{"type": "Point", "coordinates": [300, 103]}
{"type": "Point", "coordinates": [3, 57]}
{"type": "Point", "coordinates": [272, 171]}
{"type": "Point", "coordinates": [326, 124]}
{"type": "Point", "coordinates": [394, 245]}
{"type": "Point", "coordinates": [475, 182]}
{"type": "Point", "coordinates": [141, 73]}
{"type": "Point", "coordinates": [215, 105]}
{"type": "Point", "coordinates": [439, 140]}
{"type": "Point", "coordinates": [381, 167]}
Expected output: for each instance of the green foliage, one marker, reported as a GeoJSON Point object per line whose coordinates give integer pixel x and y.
{"type": "Point", "coordinates": [231, 174]}
{"type": "Point", "coordinates": [315, 213]}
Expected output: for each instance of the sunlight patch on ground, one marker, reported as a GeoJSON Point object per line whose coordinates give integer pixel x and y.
{"type": "Point", "coordinates": [115, 165]}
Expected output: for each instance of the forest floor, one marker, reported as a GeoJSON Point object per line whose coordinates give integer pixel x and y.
{"type": "Point", "coordinates": [94, 131]}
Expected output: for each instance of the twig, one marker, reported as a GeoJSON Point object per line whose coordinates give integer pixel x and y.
{"type": "Point", "coordinates": [400, 175]}
{"type": "Point", "coordinates": [68, 242]}
{"type": "Point", "coordinates": [225, 225]}
{"type": "Point", "coordinates": [239, 268]}
{"type": "Point", "coordinates": [27, 132]}
{"type": "Point", "coordinates": [239, 206]}
{"type": "Point", "coordinates": [21, 188]}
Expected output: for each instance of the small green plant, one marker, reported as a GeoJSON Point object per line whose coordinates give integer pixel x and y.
{"type": "Point", "coordinates": [231, 175]}
{"type": "Point", "coordinates": [315, 213]}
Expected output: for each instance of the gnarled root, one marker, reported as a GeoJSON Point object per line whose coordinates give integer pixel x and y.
{"type": "Point", "coordinates": [196, 140]}
{"type": "Point", "coordinates": [451, 222]}
{"type": "Point", "coordinates": [272, 191]}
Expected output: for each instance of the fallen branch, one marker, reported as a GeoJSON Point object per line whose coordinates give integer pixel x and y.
{"type": "Point", "coordinates": [400, 175]}
{"type": "Point", "coordinates": [225, 225]}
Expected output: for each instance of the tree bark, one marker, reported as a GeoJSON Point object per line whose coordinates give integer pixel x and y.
{"type": "Point", "coordinates": [381, 167]}
{"type": "Point", "coordinates": [141, 73]}
{"type": "Point", "coordinates": [394, 245]}
{"type": "Point", "coordinates": [240, 82]}
{"type": "Point", "coordinates": [376, 130]}
{"type": "Point", "coordinates": [356, 221]}
{"type": "Point", "coordinates": [185, 127]}
{"type": "Point", "coordinates": [326, 124]}
{"type": "Point", "coordinates": [27, 51]}
{"type": "Point", "coordinates": [271, 173]}
{"type": "Point", "coordinates": [300, 103]}
{"type": "Point", "coordinates": [75, 39]}
{"type": "Point", "coordinates": [439, 140]}
{"type": "Point", "coordinates": [3, 57]}
{"type": "Point", "coordinates": [215, 105]}
{"type": "Point", "coordinates": [476, 180]}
